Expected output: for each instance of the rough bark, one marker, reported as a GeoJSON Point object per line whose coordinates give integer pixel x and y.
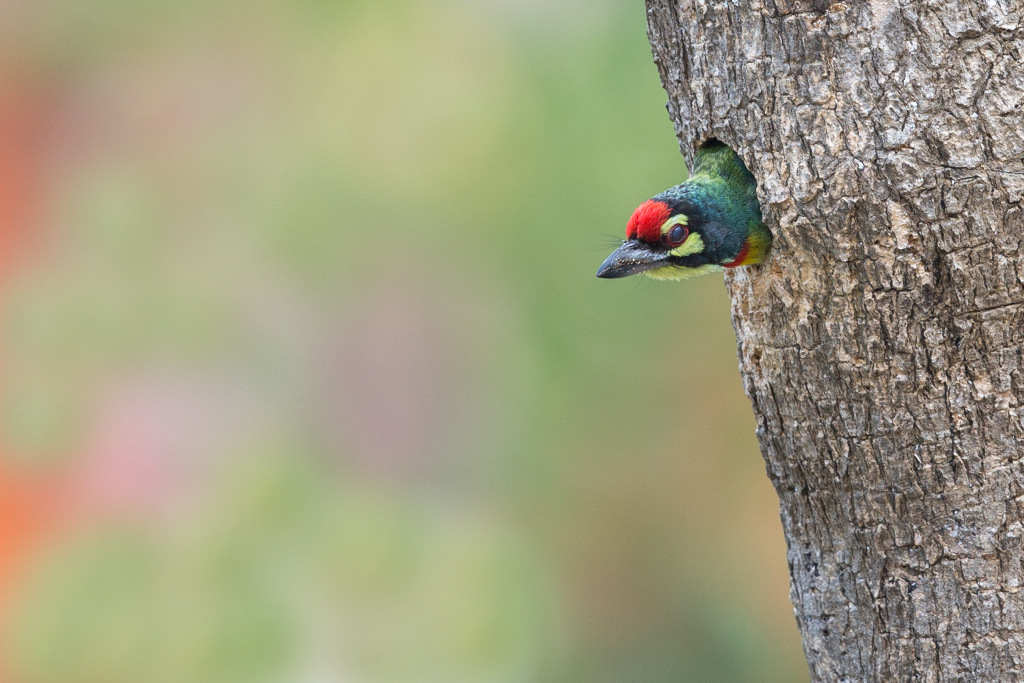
{"type": "Point", "coordinates": [881, 344]}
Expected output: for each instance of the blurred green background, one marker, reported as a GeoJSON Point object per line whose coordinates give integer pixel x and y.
{"type": "Point", "coordinates": [306, 375]}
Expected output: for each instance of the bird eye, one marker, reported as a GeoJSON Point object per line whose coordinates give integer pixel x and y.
{"type": "Point", "coordinates": [676, 235]}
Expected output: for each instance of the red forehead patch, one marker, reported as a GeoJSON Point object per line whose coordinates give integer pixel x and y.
{"type": "Point", "coordinates": [645, 223]}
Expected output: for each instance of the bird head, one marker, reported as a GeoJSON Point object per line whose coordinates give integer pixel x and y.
{"type": "Point", "coordinates": [667, 239]}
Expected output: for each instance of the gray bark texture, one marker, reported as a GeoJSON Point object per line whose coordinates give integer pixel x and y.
{"type": "Point", "coordinates": [881, 343]}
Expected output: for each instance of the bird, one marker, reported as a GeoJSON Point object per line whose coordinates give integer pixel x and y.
{"type": "Point", "coordinates": [708, 223]}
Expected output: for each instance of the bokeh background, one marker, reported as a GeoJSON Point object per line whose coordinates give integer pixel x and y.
{"type": "Point", "coordinates": [305, 375]}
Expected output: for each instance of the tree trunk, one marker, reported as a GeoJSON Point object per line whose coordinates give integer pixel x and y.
{"type": "Point", "coordinates": [881, 343]}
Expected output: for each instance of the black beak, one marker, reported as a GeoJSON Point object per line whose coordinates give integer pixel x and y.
{"type": "Point", "coordinates": [631, 258]}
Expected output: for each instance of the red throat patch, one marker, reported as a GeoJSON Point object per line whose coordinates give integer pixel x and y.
{"type": "Point", "coordinates": [645, 223]}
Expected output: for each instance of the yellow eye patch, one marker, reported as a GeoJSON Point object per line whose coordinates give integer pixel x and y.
{"type": "Point", "coordinates": [693, 243]}
{"type": "Point", "coordinates": [678, 219]}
